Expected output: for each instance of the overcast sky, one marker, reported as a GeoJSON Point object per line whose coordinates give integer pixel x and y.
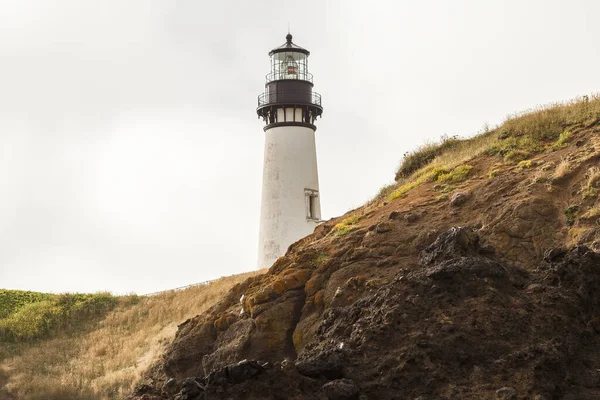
{"type": "Point", "coordinates": [130, 150]}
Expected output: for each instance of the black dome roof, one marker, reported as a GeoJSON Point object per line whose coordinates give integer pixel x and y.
{"type": "Point", "coordinates": [289, 46]}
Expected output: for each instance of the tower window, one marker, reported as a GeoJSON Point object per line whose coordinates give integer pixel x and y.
{"type": "Point", "coordinates": [312, 211]}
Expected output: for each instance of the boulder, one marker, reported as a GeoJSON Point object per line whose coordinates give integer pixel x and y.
{"type": "Point", "coordinates": [191, 389]}
{"type": "Point", "coordinates": [383, 227]}
{"type": "Point", "coordinates": [341, 389]}
{"type": "Point", "coordinates": [235, 373]}
{"type": "Point", "coordinates": [321, 363]}
{"type": "Point", "coordinates": [458, 199]}
{"type": "Point", "coordinates": [454, 243]}
{"type": "Point", "coordinates": [506, 393]}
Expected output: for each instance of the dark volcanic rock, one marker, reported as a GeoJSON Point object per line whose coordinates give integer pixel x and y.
{"type": "Point", "coordinates": [383, 227]}
{"type": "Point", "coordinates": [458, 199]}
{"type": "Point", "coordinates": [321, 363]}
{"type": "Point", "coordinates": [554, 253]}
{"type": "Point", "coordinates": [143, 389]}
{"type": "Point", "coordinates": [506, 393]}
{"type": "Point", "coordinates": [170, 386]}
{"type": "Point", "coordinates": [191, 389]}
{"type": "Point", "coordinates": [235, 373]}
{"type": "Point", "coordinates": [456, 242]}
{"type": "Point", "coordinates": [459, 325]}
{"type": "Point", "coordinates": [341, 389]}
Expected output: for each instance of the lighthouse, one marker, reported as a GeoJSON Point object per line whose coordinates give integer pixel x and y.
{"type": "Point", "coordinates": [290, 204]}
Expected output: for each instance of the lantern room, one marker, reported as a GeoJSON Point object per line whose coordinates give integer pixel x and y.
{"type": "Point", "coordinates": [288, 97]}
{"type": "Point", "coordinates": [289, 61]}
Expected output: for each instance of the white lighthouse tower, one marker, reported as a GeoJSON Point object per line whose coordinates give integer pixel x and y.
{"type": "Point", "coordinates": [290, 207]}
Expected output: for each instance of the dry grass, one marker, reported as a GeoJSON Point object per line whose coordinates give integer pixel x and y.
{"type": "Point", "coordinates": [448, 166]}
{"type": "Point", "coordinates": [107, 361]}
{"type": "Point", "coordinates": [548, 122]}
{"type": "Point", "coordinates": [592, 213]}
{"type": "Point", "coordinates": [591, 186]}
{"type": "Point", "coordinates": [593, 177]}
{"type": "Point", "coordinates": [539, 176]}
{"type": "Point", "coordinates": [562, 169]}
{"type": "Point", "coordinates": [423, 155]}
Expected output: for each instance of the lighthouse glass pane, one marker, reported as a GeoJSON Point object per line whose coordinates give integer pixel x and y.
{"type": "Point", "coordinates": [289, 65]}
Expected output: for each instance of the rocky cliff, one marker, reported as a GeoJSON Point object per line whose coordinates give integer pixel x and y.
{"type": "Point", "coordinates": [474, 279]}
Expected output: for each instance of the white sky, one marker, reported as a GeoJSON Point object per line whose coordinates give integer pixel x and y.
{"type": "Point", "coordinates": [131, 154]}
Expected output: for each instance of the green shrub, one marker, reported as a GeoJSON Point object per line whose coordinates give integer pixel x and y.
{"type": "Point", "coordinates": [31, 321]}
{"type": "Point", "coordinates": [12, 300]}
{"type": "Point", "coordinates": [514, 148]}
{"type": "Point", "coordinates": [46, 313]}
{"type": "Point", "coordinates": [570, 213]}
{"type": "Point", "coordinates": [563, 139]}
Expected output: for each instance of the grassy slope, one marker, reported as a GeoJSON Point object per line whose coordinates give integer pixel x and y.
{"type": "Point", "coordinates": [520, 137]}
{"type": "Point", "coordinates": [99, 357]}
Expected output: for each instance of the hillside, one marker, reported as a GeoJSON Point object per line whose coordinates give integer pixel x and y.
{"type": "Point", "coordinates": [90, 346]}
{"type": "Point", "coordinates": [475, 276]}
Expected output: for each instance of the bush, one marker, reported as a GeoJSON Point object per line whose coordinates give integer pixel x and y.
{"type": "Point", "coordinates": [30, 321]}
{"type": "Point", "coordinates": [12, 300]}
{"type": "Point", "coordinates": [563, 139]}
{"type": "Point", "coordinates": [570, 212]}
{"type": "Point", "coordinates": [45, 313]}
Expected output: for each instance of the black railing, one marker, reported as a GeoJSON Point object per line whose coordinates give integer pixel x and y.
{"type": "Point", "coordinates": [284, 75]}
{"type": "Point", "coordinates": [311, 98]}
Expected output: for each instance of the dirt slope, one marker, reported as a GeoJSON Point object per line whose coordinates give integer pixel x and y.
{"type": "Point", "coordinates": [490, 290]}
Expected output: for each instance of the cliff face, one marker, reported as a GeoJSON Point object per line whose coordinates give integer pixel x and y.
{"type": "Point", "coordinates": [482, 284]}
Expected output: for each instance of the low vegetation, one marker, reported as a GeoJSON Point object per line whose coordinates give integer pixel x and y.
{"type": "Point", "coordinates": [456, 175]}
{"type": "Point", "coordinates": [514, 148]}
{"type": "Point", "coordinates": [591, 187]}
{"type": "Point", "coordinates": [433, 174]}
{"type": "Point", "coordinates": [525, 164]}
{"type": "Point", "coordinates": [101, 357]}
{"type": "Point", "coordinates": [592, 213]}
{"type": "Point", "coordinates": [571, 213]}
{"type": "Point", "coordinates": [563, 139]}
{"type": "Point", "coordinates": [346, 226]}
{"type": "Point", "coordinates": [562, 169]}
{"type": "Point", "coordinates": [539, 176]}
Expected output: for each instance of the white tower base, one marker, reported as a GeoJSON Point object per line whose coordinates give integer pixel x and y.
{"type": "Point", "coordinates": [290, 208]}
